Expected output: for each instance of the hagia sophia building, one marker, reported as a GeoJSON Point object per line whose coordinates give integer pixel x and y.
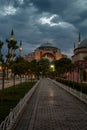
{"type": "Point", "coordinates": [46, 50]}
{"type": "Point", "coordinates": [51, 52]}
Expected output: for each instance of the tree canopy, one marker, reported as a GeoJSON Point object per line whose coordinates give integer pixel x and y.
{"type": "Point", "coordinates": [62, 65]}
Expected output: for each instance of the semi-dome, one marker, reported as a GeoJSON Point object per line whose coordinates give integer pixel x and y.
{"type": "Point", "coordinates": [83, 43]}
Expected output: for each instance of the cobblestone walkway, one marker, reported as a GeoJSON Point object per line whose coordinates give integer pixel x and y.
{"type": "Point", "coordinates": [52, 108]}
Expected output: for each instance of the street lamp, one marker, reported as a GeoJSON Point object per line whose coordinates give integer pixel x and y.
{"type": "Point", "coordinates": [52, 68]}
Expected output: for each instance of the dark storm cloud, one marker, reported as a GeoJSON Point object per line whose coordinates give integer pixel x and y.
{"type": "Point", "coordinates": [53, 6]}
{"type": "Point", "coordinates": [44, 5]}
{"type": "Point", "coordinates": [38, 21]}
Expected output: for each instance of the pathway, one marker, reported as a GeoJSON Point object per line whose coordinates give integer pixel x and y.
{"type": "Point", "coordinates": [52, 108]}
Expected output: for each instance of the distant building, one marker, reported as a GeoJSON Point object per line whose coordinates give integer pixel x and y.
{"type": "Point", "coordinates": [46, 50]}
{"type": "Point", "coordinates": [30, 56]}
{"type": "Point", "coordinates": [81, 52]}
{"type": "Point", "coordinates": [79, 71]}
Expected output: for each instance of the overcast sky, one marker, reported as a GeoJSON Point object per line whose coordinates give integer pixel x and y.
{"type": "Point", "coordinates": [39, 21]}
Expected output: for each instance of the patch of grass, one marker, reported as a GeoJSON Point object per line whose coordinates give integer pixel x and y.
{"type": "Point", "coordinates": [9, 97]}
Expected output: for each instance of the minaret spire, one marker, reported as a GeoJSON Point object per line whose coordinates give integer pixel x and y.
{"type": "Point", "coordinates": [79, 39]}
{"type": "Point", "coordinates": [20, 48]}
{"type": "Point", "coordinates": [12, 35]}
{"type": "Point", "coordinates": [12, 32]}
{"type": "Point", "coordinates": [74, 46]}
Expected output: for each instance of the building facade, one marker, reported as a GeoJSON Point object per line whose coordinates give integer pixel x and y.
{"type": "Point", "coordinates": [78, 71]}
{"type": "Point", "coordinates": [46, 50]}
{"type": "Point", "coordinates": [81, 52]}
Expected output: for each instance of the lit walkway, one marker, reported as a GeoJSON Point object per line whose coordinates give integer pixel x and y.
{"type": "Point", "coordinates": [52, 108]}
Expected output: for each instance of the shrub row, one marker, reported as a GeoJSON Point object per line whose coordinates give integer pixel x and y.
{"type": "Point", "coordinates": [78, 86]}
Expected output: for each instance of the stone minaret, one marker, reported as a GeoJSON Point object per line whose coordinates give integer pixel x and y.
{"type": "Point", "coordinates": [20, 49]}
{"type": "Point", "coordinates": [12, 35]}
{"type": "Point", "coordinates": [79, 39]}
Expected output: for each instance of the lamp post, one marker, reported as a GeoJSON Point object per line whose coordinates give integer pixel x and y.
{"type": "Point", "coordinates": [52, 69]}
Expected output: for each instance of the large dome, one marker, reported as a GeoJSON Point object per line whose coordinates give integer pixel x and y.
{"type": "Point", "coordinates": [83, 43]}
{"type": "Point", "coordinates": [47, 45]}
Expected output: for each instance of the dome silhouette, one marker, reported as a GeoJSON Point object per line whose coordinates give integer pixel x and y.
{"type": "Point", "coordinates": [47, 45]}
{"type": "Point", "coordinates": [83, 43]}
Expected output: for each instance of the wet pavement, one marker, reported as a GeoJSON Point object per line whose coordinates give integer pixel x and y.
{"type": "Point", "coordinates": [52, 108]}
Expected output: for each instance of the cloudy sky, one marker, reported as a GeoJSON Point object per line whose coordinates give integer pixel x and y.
{"type": "Point", "coordinates": [39, 21]}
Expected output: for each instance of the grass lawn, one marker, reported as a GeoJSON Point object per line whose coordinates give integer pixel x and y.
{"type": "Point", "coordinates": [9, 97]}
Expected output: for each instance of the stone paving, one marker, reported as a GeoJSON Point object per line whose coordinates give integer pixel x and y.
{"type": "Point", "coordinates": [52, 108]}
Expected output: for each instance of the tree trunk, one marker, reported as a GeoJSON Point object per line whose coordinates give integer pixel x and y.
{"type": "Point", "coordinates": [14, 80]}
{"type": "Point", "coordinates": [3, 78]}
{"type": "Point", "coordinates": [20, 79]}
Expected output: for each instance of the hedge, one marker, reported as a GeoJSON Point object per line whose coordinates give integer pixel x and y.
{"type": "Point", "coordinates": [78, 86]}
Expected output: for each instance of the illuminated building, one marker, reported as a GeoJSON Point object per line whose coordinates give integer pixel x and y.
{"type": "Point", "coordinates": [78, 71]}
{"type": "Point", "coordinates": [46, 50]}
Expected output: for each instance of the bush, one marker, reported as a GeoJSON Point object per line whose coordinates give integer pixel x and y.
{"type": "Point", "coordinates": [78, 86]}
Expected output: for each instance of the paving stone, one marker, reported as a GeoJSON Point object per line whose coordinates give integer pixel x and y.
{"type": "Point", "coordinates": [52, 108]}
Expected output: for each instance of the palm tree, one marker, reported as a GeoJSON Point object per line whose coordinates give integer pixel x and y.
{"type": "Point", "coordinates": [2, 62]}
{"type": "Point", "coordinates": [12, 46]}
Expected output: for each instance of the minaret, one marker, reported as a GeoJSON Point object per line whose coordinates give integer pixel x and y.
{"type": "Point", "coordinates": [74, 46]}
{"type": "Point", "coordinates": [79, 39]}
{"type": "Point", "coordinates": [12, 35]}
{"type": "Point", "coordinates": [20, 49]}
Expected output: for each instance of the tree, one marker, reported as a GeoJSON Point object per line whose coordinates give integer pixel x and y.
{"type": "Point", "coordinates": [33, 68]}
{"type": "Point", "coordinates": [44, 67]}
{"type": "Point", "coordinates": [12, 46]}
{"type": "Point", "coordinates": [19, 67]}
{"type": "Point", "coordinates": [3, 65]}
{"type": "Point", "coordinates": [1, 56]}
{"type": "Point", "coordinates": [62, 66]}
